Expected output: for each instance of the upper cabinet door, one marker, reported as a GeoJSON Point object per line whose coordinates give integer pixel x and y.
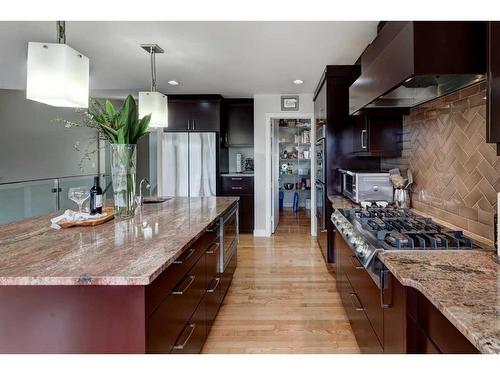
{"type": "Point", "coordinates": [239, 119]}
{"type": "Point", "coordinates": [179, 114]}
{"type": "Point", "coordinates": [360, 133]}
{"type": "Point", "coordinates": [205, 115]}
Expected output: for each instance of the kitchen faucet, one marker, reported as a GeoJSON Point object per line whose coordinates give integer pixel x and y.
{"type": "Point", "coordinates": [148, 186]}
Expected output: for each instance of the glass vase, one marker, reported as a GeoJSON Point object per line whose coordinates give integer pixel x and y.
{"type": "Point", "coordinates": [123, 167]}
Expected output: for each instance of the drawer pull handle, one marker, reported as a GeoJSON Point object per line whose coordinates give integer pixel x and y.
{"type": "Point", "coordinates": [187, 281]}
{"type": "Point", "coordinates": [236, 178]}
{"type": "Point", "coordinates": [355, 262]}
{"type": "Point", "coordinates": [186, 257]}
{"type": "Point", "coordinates": [212, 248]}
{"type": "Point", "coordinates": [191, 328]}
{"type": "Point", "coordinates": [236, 187]}
{"type": "Point", "coordinates": [213, 228]}
{"type": "Point", "coordinates": [217, 282]}
{"type": "Point", "coordinates": [356, 303]}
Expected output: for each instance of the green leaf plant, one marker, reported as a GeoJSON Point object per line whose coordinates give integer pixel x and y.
{"type": "Point", "coordinates": [121, 126]}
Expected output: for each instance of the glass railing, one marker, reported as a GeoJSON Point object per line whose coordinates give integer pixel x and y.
{"type": "Point", "coordinates": [26, 199]}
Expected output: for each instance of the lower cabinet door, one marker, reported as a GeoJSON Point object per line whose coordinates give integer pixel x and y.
{"type": "Point", "coordinates": [194, 334]}
{"type": "Point", "coordinates": [246, 211]}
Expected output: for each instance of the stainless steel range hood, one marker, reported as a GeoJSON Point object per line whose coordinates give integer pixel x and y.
{"type": "Point", "coordinates": [410, 63]}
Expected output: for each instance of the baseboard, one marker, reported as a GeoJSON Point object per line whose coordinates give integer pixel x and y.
{"type": "Point", "coordinates": [260, 233]}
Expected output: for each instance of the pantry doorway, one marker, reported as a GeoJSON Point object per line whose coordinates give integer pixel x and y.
{"type": "Point", "coordinates": [292, 175]}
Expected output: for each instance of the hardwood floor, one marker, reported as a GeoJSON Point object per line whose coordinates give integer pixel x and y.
{"type": "Point", "coordinates": [282, 299]}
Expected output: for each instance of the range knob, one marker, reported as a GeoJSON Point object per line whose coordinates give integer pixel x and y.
{"type": "Point", "coordinates": [348, 230]}
{"type": "Point", "coordinates": [362, 249]}
{"type": "Point", "coordinates": [355, 240]}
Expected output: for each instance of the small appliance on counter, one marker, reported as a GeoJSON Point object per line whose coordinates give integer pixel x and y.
{"type": "Point", "coordinates": [238, 163]}
{"type": "Point", "coordinates": [248, 165]}
{"type": "Point", "coordinates": [361, 186]}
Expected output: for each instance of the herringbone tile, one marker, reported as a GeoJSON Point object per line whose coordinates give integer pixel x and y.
{"type": "Point", "coordinates": [457, 173]}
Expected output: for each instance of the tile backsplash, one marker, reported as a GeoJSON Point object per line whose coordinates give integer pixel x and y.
{"type": "Point", "coordinates": [457, 174]}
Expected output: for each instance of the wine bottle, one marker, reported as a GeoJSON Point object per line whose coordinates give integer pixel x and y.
{"type": "Point", "coordinates": [96, 198]}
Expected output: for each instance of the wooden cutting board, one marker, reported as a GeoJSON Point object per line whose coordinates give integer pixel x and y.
{"type": "Point", "coordinates": [108, 211]}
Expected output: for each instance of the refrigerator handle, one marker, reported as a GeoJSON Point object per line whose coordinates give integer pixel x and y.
{"type": "Point", "coordinates": [194, 125]}
{"type": "Point", "coordinates": [188, 125]}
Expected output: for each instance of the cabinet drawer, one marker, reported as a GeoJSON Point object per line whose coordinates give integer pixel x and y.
{"type": "Point", "coordinates": [212, 259]}
{"type": "Point", "coordinates": [365, 335]}
{"type": "Point", "coordinates": [157, 291]}
{"type": "Point", "coordinates": [169, 320]}
{"type": "Point", "coordinates": [368, 294]}
{"type": "Point", "coordinates": [194, 334]}
{"type": "Point", "coordinates": [237, 185]}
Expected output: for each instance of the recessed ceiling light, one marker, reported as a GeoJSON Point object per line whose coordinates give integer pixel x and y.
{"type": "Point", "coordinates": [298, 82]}
{"type": "Point", "coordinates": [173, 83]}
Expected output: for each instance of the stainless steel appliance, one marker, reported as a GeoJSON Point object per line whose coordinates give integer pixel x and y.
{"type": "Point", "coordinates": [321, 195]}
{"type": "Point", "coordinates": [229, 238]}
{"type": "Point", "coordinates": [188, 164]}
{"type": "Point", "coordinates": [360, 186]}
{"type": "Point", "coordinates": [373, 230]}
{"type": "Point", "coordinates": [320, 160]}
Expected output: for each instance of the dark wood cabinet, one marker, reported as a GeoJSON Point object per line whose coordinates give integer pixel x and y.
{"type": "Point", "coordinates": [493, 84]}
{"type": "Point", "coordinates": [182, 321]}
{"type": "Point", "coordinates": [430, 331]}
{"type": "Point", "coordinates": [179, 114]}
{"type": "Point", "coordinates": [393, 319]}
{"type": "Point", "coordinates": [242, 187]}
{"type": "Point", "coordinates": [360, 298]}
{"type": "Point", "coordinates": [237, 122]}
{"type": "Point", "coordinates": [395, 326]}
{"type": "Point", "coordinates": [194, 112]}
{"type": "Point", "coordinates": [378, 133]}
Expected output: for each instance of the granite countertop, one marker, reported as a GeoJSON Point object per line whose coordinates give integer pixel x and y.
{"type": "Point", "coordinates": [464, 286]}
{"type": "Point", "coordinates": [120, 252]}
{"type": "Point", "coordinates": [342, 202]}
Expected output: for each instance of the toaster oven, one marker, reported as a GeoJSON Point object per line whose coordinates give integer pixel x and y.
{"type": "Point", "coordinates": [361, 186]}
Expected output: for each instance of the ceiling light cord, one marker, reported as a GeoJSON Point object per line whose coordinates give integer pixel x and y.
{"type": "Point", "coordinates": [153, 69]}
{"type": "Point", "coordinates": [61, 32]}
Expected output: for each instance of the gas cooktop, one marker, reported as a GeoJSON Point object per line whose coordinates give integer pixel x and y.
{"type": "Point", "coordinates": [370, 230]}
{"type": "Point", "coordinates": [397, 228]}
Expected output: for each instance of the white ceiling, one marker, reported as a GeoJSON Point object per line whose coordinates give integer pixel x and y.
{"type": "Point", "coordinates": [229, 58]}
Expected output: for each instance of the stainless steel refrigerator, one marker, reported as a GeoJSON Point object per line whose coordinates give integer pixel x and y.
{"type": "Point", "coordinates": [188, 164]}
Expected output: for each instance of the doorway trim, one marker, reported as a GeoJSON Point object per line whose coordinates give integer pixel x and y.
{"type": "Point", "coordinates": [268, 187]}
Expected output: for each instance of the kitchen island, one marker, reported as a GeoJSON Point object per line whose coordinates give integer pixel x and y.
{"type": "Point", "coordinates": [148, 284]}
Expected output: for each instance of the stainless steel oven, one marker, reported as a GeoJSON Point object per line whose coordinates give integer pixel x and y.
{"type": "Point", "coordinates": [320, 160]}
{"type": "Point", "coordinates": [321, 222]}
{"type": "Point", "coordinates": [229, 237]}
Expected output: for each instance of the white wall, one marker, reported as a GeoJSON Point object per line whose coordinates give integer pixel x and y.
{"type": "Point", "coordinates": [265, 104]}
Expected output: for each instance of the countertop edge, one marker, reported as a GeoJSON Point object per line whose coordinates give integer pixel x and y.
{"type": "Point", "coordinates": [408, 282]}
{"type": "Point", "coordinates": [89, 280]}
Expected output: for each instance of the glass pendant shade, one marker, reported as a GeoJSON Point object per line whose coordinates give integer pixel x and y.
{"type": "Point", "coordinates": [58, 75]}
{"type": "Point", "coordinates": [156, 104]}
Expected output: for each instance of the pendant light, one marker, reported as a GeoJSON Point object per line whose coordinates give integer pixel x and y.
{"type": "Point", "coordinates": [57, 74]}
{"type": "Point", "coordinates": [153, 102]}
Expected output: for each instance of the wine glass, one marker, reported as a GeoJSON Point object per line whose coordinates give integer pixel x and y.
{"type": "Point", "coordinates": [79, 195]}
